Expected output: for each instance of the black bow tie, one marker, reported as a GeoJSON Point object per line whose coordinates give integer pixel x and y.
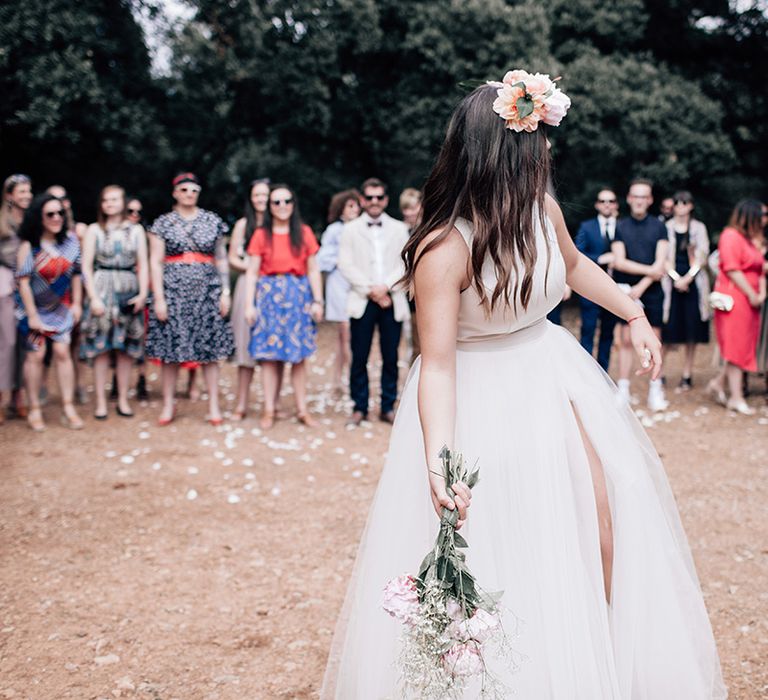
{"type": "Point", "coordinates": [374, 223]}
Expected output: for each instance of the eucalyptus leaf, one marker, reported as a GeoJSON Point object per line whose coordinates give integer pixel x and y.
{"type": "Point", "coordinates": [524, 107]}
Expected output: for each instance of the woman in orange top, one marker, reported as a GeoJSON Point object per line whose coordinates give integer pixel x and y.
{"type": "Point", "coordinates": [284, 280]}
{"type": "Point", "coordinates": [740, 277]}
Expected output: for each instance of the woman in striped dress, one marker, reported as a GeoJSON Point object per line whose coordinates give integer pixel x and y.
{"type": "Point", "coordinates": [49, 302]}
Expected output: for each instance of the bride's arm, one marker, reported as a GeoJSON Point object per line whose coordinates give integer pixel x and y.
{"type": "Point", "coordinates": [440, 276]}
{"type": "Point", "coordinates": [588, 280]}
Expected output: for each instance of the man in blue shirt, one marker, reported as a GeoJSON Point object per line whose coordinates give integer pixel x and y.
{"type": "Point", "coordinates": [594, 239]}
{"type": "Point", "coordinates": [639, 262]}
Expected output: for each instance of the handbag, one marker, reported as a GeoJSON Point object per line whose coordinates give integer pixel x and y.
{"type": "Point", "coordinates": [721, 302]}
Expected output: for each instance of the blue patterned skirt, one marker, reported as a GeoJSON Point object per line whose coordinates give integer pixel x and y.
{"type": "Point", "coordinates": [284, 331]}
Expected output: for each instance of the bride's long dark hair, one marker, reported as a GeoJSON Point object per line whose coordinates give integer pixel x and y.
{"type": "Point", "coordinates": [497, 179]}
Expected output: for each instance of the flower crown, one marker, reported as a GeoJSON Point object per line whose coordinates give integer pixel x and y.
{"type": "Point", "coordinates": [524, 99]}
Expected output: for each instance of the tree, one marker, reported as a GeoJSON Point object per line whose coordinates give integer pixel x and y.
{"type": "Point", "coordinates": [78, 102]}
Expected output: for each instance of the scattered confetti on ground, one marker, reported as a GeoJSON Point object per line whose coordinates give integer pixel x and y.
{"type": "Point", "coordinates": [211, 562]}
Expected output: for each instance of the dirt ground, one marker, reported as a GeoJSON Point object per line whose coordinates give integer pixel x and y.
{"type": "Point", "coordinates": [197, 562]}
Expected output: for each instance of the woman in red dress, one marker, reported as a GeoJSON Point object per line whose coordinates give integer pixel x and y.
{"type": "Point", "coordinates": [740, 277]}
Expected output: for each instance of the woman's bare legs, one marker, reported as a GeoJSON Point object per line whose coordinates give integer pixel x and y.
{"type": "Point", "coordinates": [211, 374]}
{"type": "Point", "coordinates": [100, 371]}
{"type": "Point", "coordinates": [168, 375]}
{"type": "Point", "coordinates": [270, 379]}
{"type": "Point", "coordinates": [66, 373]}
{"type": "Point", "coordinates": [124, 367]}
{"type": "Point", "coordinates": [244, 378]}
{"type": "Point", "coordinates": [343, 355]}
{"type": "Point", "coordinates": [33, 378]}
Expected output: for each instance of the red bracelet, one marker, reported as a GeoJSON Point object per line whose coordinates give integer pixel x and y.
{"type": "Point", "coordinates": [634, 318]}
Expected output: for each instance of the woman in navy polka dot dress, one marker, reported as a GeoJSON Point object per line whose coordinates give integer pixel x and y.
{"type": "Point", "coordinates": [190, 283]}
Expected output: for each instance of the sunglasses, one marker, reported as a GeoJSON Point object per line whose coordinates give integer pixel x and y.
{"type": "Point", "coordinates": [134, 211]}
{"type": "Point", "coordinates": [187, 190]}
{"type": "Point", "coordinates": [51, 214]}
{"type": "Point", "coordinates": [278, 202]}
{"type": "Point", "coordinates": [606, 201]}
{"type": "Point", "coordinates": [683, 201]}
{"type": "Point", "coordinates": [375, 197]}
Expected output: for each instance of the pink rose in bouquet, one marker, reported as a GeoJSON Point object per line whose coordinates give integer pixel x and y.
{"type": "Point", "coordinates": [478, 628]}
{"type": "Point", "coordinates": [464, 660]}
{"type": "Point", "coordinates": [401, 598]}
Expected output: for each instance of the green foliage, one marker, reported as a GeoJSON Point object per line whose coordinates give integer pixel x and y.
{"type": "Point", "coordinates": [78, 100]}
{"type": "Point", "coordinates": [322, 95]}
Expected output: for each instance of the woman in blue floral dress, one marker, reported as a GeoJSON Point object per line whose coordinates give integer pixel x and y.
{"type": "Point", "coordinates": [190, 285]}
{"type": "Point", "coordinates": [284, 278]}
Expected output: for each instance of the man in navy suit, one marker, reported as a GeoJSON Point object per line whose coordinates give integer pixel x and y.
{"type": "Point", "coordinates": [594, 239]}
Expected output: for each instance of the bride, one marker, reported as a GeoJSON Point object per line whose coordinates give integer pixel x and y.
{"type": "Point", "coordinates": [573, 517]}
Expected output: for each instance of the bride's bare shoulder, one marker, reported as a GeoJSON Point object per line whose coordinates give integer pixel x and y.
{"type": "Point", "coordinates": [443, 254]}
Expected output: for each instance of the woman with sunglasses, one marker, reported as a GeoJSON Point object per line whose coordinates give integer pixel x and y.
{"type": "Point", "coordinates": [190, 285]}
{"type": "Point", "coordinates": [49, 302]}
{"type": "Point", "coordinates": [285, 291]}
{"type": "Point", "coordinates": [17, 194]}
{"type": "Point", "coordinates": [242, 233]}
{"type": "Point", "coordinates": [134, 212]}
{"type": "Point", "coordinates": [686, 285]}
{"type": "Point", "coordinates": [116, 276]}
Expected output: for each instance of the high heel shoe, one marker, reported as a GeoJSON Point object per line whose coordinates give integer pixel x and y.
{"type": "Point", "coordinates": [740, 407]}
{"type": "Point", "coordinates": [67, 419]}
{"type": "Point", "coordinates": [215, 422]}
{"type": "Point", "coordinates": [35, 420]}
{"type": "Point", "coordinates": [239, 415]}
{"type": "Point", "coordinates": [162, 422]}
{"type": "Point", "coordinates": [716, 393]}
{"type": "Point", "coordinates": [123, 414]}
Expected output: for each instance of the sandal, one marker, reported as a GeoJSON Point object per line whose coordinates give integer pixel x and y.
{"type": "Point", "coordinates": [306, 419]}
{"type": "Point", "coordinates": [267, 420]}
{"type": "Point", "coordinates": [70, 419]}
{"type": "Point", "coordinates": [238, 415]}
{"type": "Point", "coordinates": [35, 420]}
{"type": "Point", "coordinates": [740, 407]}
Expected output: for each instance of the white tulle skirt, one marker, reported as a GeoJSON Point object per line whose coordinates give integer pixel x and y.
{"type": "Point", "coordinates": [533, 533]}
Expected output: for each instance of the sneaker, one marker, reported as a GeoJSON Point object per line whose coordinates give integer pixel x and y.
{"type": "Point", "coordinates": [656, 399]}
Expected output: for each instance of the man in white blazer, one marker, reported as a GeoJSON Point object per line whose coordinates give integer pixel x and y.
{"type": "Point", "coordinates": [369, 257]}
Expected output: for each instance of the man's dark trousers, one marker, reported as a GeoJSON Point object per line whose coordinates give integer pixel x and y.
{"type": "Point", "coordinates": [361, 332]}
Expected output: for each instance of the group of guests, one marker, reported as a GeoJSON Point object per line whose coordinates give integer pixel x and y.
{"type": "Point", "coordinates": [114, 293]}
{"type": "Point", "coordinates": [664, 262]}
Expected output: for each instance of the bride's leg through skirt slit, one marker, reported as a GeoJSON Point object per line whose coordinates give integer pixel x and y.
{"type": "Point", "coordinates": [603, 506]}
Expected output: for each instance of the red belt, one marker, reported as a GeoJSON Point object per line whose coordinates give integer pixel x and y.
{"type": "Point", "coordinates": [190, 257]}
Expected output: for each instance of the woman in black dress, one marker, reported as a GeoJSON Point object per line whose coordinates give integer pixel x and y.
{"type": "Point", "coordinates": [686, 286]}
{"type": "Point", "coordinates": [190, 284]}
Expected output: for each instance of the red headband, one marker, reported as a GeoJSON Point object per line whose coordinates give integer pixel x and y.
{"type": "Point", "coordinates": [185, 177]}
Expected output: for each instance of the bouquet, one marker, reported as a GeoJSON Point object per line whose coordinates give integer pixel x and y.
{"type": "Point", "coordinates": [447, 620]}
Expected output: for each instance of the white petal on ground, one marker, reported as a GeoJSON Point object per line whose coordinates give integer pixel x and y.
{"type": "Point", "coordinates": [191, 495]}
{"type": "Point", "coordinates": [233, 498]}
{"type": "Point", "coordinates": [127, 459]}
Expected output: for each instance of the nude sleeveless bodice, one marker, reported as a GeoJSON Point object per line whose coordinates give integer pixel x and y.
{"type": "Point", "coordinates": [474, 325]}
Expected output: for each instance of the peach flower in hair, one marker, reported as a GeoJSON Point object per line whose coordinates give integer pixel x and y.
{"type": "Point", "coordinates": [524, 99]}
